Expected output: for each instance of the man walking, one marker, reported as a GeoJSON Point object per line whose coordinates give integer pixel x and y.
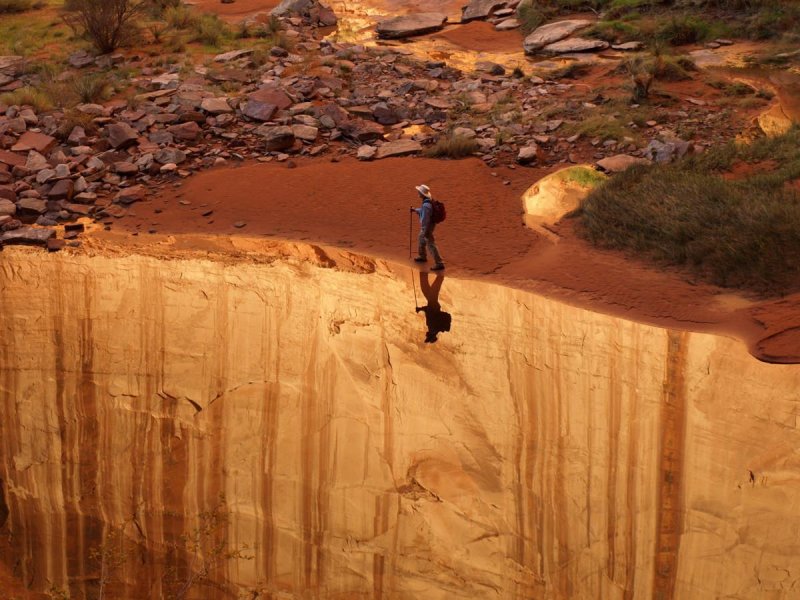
{"type": "Point", "coordinates": [427, 225]}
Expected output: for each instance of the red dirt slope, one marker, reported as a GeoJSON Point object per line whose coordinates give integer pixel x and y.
{"type": "Point", "coordinates": [364, 207]}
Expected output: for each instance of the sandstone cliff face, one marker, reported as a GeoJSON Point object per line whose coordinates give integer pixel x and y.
{"type": "Point", "coordinates": [286, 428]}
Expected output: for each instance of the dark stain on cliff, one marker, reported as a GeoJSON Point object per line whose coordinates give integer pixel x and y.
{"type": "Point", "coordinates": [669, 522]}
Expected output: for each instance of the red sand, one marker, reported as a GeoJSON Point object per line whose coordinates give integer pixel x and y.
{"type": "Point", "coordinates": [236, 10]}
{"type": "Point", "coordinates": [364, 207]}
{"type": "Point", "coordinates": [480, 36]}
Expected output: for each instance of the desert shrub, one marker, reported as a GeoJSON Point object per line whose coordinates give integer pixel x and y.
{"type": "Point", "coordinates": [73, 119]}
{"type": "Point", "coordinates": [683, 29]}
{"type": "Point", "coordinates": [529, 16]}
{"type": "Point", "coordinates": [107, 23]}
{"type": "Point", "coordinates": [37, 99]}
{"type": "Point", "coordinates": [14, 6]}
{"type": "Point", "coordinates": [92, 89]}
{"type": "Point", "coordinates": [740, 233]}
{"type": "Point", "coordinates": [179, 17]}
{"type": "Point", "coordinates": [615, 31]}
{"type": "Point", "coordinates": [209, 30]}
{"type": "Point", "coordinates": [452, 146]}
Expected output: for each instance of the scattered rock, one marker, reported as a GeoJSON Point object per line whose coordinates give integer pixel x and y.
{"type": "Point", "coordinates": [553, 32]}
{"type": "Point", "coordinates": [411, 25]}
{"type": "Point", "coordinates": [620, 162]}
{"type": "Point", "coordinates": [32, 206]}
{"type": "Point", "coordinates": [186, 131]}
{"type": "Point", "coordinates": [216, 106]}
{"type": "Point", "coordinates": [258, 111]}
{"type": "Point", "coordinates": [130, 195]}
{"type": "Point", "coordinates": [528, 154]}
{"type": "Point", "coordinates": [576, 44]}
{"type": "Point", "coordinates": [628, 46]}
{"type": "Point", "coordinates": [277, 138]}
{"type": "Point", "coordinates": [305, 132]}
{"type": "Point", "coordinates": [365, 152]}
{"type": "Point", "coordinates": [398, 148]}
{"type": "Point", "coordinates": [121, 135]}
{"type": "Point", "coordinates": [30, 140]}
{"type": "Point", "coordinates": [7, 208]}
{"type": "Point", "coordinates": [480, 9]}
{"type": "Point", "coordinates": [27, 235]}
{"type": "Point", "coordinates": [233, 55]}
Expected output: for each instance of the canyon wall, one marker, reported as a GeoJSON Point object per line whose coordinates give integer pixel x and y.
{"type": "Point", "coordinates": [211, 429]}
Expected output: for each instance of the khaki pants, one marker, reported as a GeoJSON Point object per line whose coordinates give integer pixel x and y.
{"type": "Point", "coordinates": [426, 239]}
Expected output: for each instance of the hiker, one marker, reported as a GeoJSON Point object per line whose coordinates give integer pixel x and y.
{"type": "Point", "coordinates": [427, 225]}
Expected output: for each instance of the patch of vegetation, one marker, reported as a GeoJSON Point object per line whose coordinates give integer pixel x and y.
{"type": "Point", "coordinates": [452, 146]}
{"type": "Point", "coordinates": [582, 176]}
{"type": "Point", "coordinates": [602, 127]}
{"type": "Point", "coordinates": [28, 96]}
{"type": "Point", "coordinates": [108, 24]}
{"type": "Point", "coordinates": [741, 233]}
{"type": "Point", "coordinates": [530, 16]}
{"type": "Point", "coordinates": [15, 6]}
{"type": "Point", "coordinates": [615, 31]}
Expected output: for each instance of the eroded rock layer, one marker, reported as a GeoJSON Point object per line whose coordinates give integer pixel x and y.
{"type": "Point", "coordinates": [285, 429]}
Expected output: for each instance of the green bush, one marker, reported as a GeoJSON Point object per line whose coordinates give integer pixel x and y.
{"type": "Point", "coordinates": [683, 29]}
{"type": "Point", "coordinates": [738, 233]}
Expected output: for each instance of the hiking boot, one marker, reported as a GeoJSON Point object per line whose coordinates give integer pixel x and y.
{"type": "Point", "coordinates": [437, 267]}
{"type": "Point", "coordinates": [420, 259]}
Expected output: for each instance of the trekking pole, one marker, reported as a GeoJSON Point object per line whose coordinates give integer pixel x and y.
{"type": "Point", "coordinates": [410, 232]}
{"type": "Point", "coordinates": [414, 286]}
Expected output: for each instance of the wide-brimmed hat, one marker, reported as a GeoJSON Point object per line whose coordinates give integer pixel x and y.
{"type": "Point", "coordinates": [424, 190]}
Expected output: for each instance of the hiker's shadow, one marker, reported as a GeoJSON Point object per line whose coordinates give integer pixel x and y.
{"type": "Point", "coordinates": [436, 319]}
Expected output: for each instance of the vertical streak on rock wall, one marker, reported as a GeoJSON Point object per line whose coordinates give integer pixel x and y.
{"type": "Point", "coordinates": [669, 521]}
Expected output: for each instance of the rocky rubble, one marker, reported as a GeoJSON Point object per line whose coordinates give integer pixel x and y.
{"type": "Point", "coordinates": [318, 98]}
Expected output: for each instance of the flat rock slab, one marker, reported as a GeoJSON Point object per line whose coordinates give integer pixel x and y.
{"type": "Point", "coordinates": [552, 33]}
{"type": "Point", "coordinates": [507, 25]}
{"type": "Point", "coordinates": [11, 65]}
{"type": "Point", "coordinates": [27, 235]}
{"type": "Point", "coordinates": [30, 140]}
{"type": "Point", "coordinates": [232, 55]}
{"type": "Point", "coordinates": [271, 95]}
{"type": "Point", "coordinates": [216, 106]}
{"type": "Point", "coordinates": [411, 25]}
{"type": "Point", "coordinates": [11, 159]}
{"type": "Point", "coordinates": [480, 9]}
{"type": "Point", "coordinates": [620, 162]}
{"type": "Point", "coordinates": [398, 148]}
{"type": "Point", "coordinates": [628, 46]}
{"type": "Point", "coordinates": [576, 44]}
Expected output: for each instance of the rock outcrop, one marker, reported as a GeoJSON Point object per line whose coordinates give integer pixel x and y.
{"type": "Point", "coordinates": [411, 25]}
{"type": "Point", "coordinates": [287, 418]}
{"type": "Point", "coordinates": [551, 33]}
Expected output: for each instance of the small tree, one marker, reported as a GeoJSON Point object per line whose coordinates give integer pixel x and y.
{"type": "Point", "coordinates": [106, 22]}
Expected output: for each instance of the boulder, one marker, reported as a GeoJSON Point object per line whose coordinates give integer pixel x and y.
{"type": "Point", "coordinates": [557, 194]}
{"type": "Point", "coordinates": [121, 135]}
{"type": "Point", "coordinates": [620, 162]}
{"type": "Point", "coordinates": [398, 148]}
{"type": "Point", "coordinates": [576, 44]}
{"type": "Point", "coordinates": [365, 152]}
{"type": "Point", "coordinates": [62, 190]}
{"type": "Point", "coordinates": [27, 235]}
{"type": "Point", "coordinates": [528, 154]}
{"type": "Point", "coordinates": [130, 195]}
{"type": "Point", "coordinates": [271, 95]}
{"type": "Point", "coordinates": [552, 32]}
{"type": "Point", "coordinates": [258, 111]}
{"type": "Point", "coordinates": [507, 25]}
{"type": "Point", "coordinates": [188, 132]}
{"type": "Point", "coordinates": [170, 155]}
{"type": "Point", "coordinates": [305, 132]}
{"type": "Point", "coordinates": [278, 138]}
{"type": "Point", "coordinates": [30, 140]}
{"type": "Point", "coordinates": [7, 208]}
{"type": "Point", "coordinates": [11, 65]}
{"type": "Point", "coordinates": [411, 25]}
{"type": "Point", "coordinates": [216, 106]}
{"type": "Point", "coordinates": [480, 9]}
{"type": "Point", "coordinates": [362, 130]}
{"type": "Point", "coordinates": [32, 206]}
{"type": "Point", "coordinates": [232, 55]}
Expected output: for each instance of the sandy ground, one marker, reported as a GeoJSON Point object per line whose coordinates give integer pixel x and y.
{"type": "Point", "coordinates": [236, 10]}
{"type": "Point", "coordinates": [363, 207]}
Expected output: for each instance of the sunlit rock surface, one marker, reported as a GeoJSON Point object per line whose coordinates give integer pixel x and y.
{"type": "Point", "coordinates": [534, 451]}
